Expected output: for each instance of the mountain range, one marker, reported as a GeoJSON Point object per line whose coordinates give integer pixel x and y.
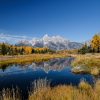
{"type": "Point", "coordinates": [53, 42]}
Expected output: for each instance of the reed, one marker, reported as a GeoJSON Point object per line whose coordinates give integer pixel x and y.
{"type": "Point", "coordinates": [7, 94]}
{"type": "Point", "coordinates": [42, 91]}
{"type": "Point", "coordinates": [64, 92]}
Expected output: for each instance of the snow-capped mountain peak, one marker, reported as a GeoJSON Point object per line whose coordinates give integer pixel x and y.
{"type": "Point", "coordinates": [46, 37]}
{"type": "Point", "coordinates": [52, 42]}
{"type": "Point", "coordinates": [55, 39]}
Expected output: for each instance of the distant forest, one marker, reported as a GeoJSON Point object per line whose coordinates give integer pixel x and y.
{"type": "Point", "coordinates": [92, 47]}
{"type": "Point", "coordinates": [7, 49]}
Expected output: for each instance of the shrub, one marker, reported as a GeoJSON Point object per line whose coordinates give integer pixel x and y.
{"type": "Point", "coordinates": [84, 85]}
{"type": "Point", "coordinates": [95, 71]}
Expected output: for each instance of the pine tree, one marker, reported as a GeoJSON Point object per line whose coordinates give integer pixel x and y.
{"type": "Point", "coordinates": [85, 49]}
{"type": "Point", "coordinates": [3, 49]}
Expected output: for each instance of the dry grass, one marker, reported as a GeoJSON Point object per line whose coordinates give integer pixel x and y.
{"type": "Point", "coordinates": [7, 94]}
{"type": "Point", "coordinates": [88, 60]}
{"type": "Point", "coordinates": [95, 71]}
{"type": "Point", "coordinates": [91, 61]}
{"type": "Point", "coordinates": [83, 92]}
{"type": "Point", "coordinates": [4, 60]}
{"type": "Point", "coordinates": [84, 85]}
{"type": "Point", "coordinates": [43, 91]}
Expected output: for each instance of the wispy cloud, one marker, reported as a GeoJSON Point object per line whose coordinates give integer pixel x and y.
{"type": "Point", "coordinates": [12, 38]}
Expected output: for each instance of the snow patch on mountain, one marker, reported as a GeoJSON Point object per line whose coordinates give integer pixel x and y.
{"type": "Point", "coordinates": [53, 42]}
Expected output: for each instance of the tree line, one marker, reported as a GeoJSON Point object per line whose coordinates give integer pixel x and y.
{"type": "Point", "coordinates": [92, 47]}
{"type": "Point", "coordinates": [6, 49]}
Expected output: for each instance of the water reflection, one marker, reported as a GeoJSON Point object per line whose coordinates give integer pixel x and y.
{"type": "Point", "coordinates": [58, 71]}
{"type": "Point", "coordinates": [53, 64]}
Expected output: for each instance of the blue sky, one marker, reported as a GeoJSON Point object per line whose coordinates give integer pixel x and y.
{"type": "Point", "coordinates": [76, 20]}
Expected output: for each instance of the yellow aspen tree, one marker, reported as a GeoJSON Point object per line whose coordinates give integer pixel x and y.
{"type": "Point", "coordinates": [95, 43]}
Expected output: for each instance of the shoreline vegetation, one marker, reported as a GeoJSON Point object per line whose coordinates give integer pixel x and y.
{"type": "Point", "coordinates": [41, 90]}
{"type": "Point", "coordinates": [20, 59]}
{"type": "Point", "coordinates": [89, 59]}
{"type": "Point", "coordinates": [88, 63]}
{"type": "Point", "coordinates": [81, 63]}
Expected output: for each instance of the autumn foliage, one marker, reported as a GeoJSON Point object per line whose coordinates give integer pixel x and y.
{"type": "Point", "coordinates": [95, 43]}
{"type": "Point", "coordinates": [92, 47]}
{"type": "Point", "coordinates": [6, 49]}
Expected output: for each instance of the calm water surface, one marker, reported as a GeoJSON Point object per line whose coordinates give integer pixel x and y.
{"type": "Point", "coordinates": [57, 71]}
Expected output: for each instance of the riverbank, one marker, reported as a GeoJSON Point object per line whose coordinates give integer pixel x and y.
{"type": "Point", "coordinates": [42, 91]}
{"type": "Point", "coordinates": [83, 92]}
{"type": "Point", "coordinates": [18, 59]}
{"type": "Point", "coordinates": [89, 63]}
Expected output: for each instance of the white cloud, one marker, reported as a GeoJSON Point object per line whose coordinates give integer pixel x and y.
{"type": "Point", "coordinates": [11, 38]}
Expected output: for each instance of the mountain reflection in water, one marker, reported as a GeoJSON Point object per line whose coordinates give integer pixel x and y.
{"type": "Point", "coordinates": [57, 71]}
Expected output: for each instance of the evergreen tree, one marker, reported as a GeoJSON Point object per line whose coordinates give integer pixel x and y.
{"type": "Point", "coordinates": [84, 49]}
{"type": "Point", "coordinates": [3, 49]}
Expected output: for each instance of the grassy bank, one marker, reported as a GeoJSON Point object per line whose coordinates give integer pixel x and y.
{"type": "Point", "coordinates": [83, 92]}
{"type": "Point", "coordinates": [4, 60]}
{"type": "Point", "coordinates": [90, 63]}
{"type": "Point", "coordinates": [42, 91]}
